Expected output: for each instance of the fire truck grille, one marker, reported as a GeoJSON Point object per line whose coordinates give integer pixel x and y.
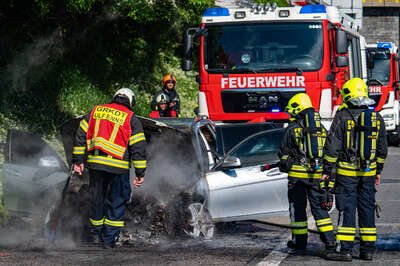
{"type": "Point", "coordinates": [255, 101]}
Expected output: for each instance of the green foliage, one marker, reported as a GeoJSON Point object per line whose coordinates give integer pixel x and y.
{"type": "Point", "coordinates": [80, 6]}
{"type": "Point", "coordinates": [78, 95]}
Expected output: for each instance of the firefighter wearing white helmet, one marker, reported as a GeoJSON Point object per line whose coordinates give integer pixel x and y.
{"type": "Point", "coordinates": [300, 156]}
{"type": "Point", "coordinates": [108, 141]}
{"type": "Point", "coordinates": [169, 89]}
{"type": "Point", "coordinates": [356, 147]}
{"type": "Point", "coordinates": [162, 107]}
{"type": "Point", "coordinates": [128, 93]}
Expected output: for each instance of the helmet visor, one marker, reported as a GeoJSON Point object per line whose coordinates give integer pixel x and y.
{"type": "Point", "coordinates": [361, 101]}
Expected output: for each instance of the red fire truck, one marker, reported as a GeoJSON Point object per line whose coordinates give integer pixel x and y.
{"type": "Point", "coordinates": [383, 85]}
{"type": "Point", "coordinates": [252, 60]}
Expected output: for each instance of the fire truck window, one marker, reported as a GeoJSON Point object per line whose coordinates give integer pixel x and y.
{"type": "Point", "coordinates": [381, 66]}
{"type": "Point", "coordinates": [264, 46]}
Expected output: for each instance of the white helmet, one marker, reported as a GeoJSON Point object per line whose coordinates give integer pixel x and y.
{"type": "Point", "coordinates": [162, 98]}
{"type": "Point", "coordinates": [127, 93]}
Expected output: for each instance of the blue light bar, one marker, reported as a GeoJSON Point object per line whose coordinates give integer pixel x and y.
{"type": "Point", "coordinates": [387, 45]}
{"type": "Point", "coordinates": [216, 12]}
{"type": "Point", "coordinates": [371, 107]}
{"type": "Point", "coordinates": [311, 9]}
{"type": "Point", "coordinates": [275, 110]}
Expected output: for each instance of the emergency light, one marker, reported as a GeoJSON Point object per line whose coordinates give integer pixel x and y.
{"type": "Point", "coordinates": [216, 12]}
{"type": "Point", "coordinates": [387, 45]}
{"type": "Point", "coordinates": [311, 9]}
{"type": "Point", "coordinates": [275, 110]}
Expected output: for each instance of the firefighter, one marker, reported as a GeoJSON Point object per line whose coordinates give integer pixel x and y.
{"type": "Point", "coordinates": [356, 132]}
{"type": "Point", "coordinates": [300, 156]}
{"type": "Point", "coordinates": [110, 139]}
{"type": "Point", "coordinates": [162, 109]}
{"type": "Point", "coordinates": [169, 83]}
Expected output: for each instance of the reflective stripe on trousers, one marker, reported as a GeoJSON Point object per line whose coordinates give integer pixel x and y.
{"type": "Point", "coordinates": [299, 190]}
{"type": "Point", "coordinates": [356, 193]}
{"type": "Point", "coordinates": [108, 194]}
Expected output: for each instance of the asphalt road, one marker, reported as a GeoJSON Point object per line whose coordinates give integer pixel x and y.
{"type": "Point", "coordinates": [246, 243]}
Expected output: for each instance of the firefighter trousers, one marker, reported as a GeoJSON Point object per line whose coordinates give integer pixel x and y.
{"type": "Point", "coordinates": [109, 193]}
{"type": "Point", "coordinates": [299, 190]}
{"type": "Point", "coordinates": [356, 193]}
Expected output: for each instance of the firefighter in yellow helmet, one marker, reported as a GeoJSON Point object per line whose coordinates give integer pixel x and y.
{"type": "Point", "coordinates": [108, 141]}
{"type": "Point", "coordinates": [300, 156]}
{"type": "Point", "coordinates": [174, 104]}
{"type": "Point", "coordinates": [357, 147]}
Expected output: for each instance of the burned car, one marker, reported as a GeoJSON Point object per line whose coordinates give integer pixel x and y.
{"type": "Point", "coordinates": [198, 174]}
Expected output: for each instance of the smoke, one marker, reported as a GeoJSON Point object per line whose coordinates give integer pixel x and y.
{"type": "Point", "coordinates": [173, 167]}
{"type": "Point", "coordinates": [36, 55]}
{"type": "Point", "coordinates": [33, 178]}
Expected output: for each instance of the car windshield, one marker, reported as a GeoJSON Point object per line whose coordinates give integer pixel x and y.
{"type": "Point", "coordinates": [260, 148]}
{"type": "Point", "coordinates": [381, 66]}
{"type": "Point", "coordinates": [257, 47]}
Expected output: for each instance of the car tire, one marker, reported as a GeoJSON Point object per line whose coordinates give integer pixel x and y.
{"type": "Point", "coordinates": [199, 221]}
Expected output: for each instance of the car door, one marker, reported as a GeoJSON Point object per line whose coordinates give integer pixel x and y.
{"type": "Point", "coordinates": [33, 173]}
{"type": "Point", "coordinates": [247, 192]}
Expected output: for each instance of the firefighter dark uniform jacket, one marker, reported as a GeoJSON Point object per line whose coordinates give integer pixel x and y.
{"type": "Point", "coordinates": [172, 95]}
{"type": "Point", "coordinates": [293, 159]}
{"type": "Point", "coordinates": [111, 139]}
{"type": "Point", "coordinates": [338, 149]}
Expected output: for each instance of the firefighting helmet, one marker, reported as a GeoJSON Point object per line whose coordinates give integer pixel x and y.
{"type": "Point", "coordinates": [128, 93]}
{"type": "Point", "coordinates": [162, 98]}
{"type": "Point", "coordinates": [298, 103]}
{"type": "Point", "coordinates": [355, 91]}
{"type": "Point", "coordinates": [169, 77]}
{"type": "Point", "coordinates": [354, 87]}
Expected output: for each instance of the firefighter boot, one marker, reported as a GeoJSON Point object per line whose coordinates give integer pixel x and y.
{"type": "Point", "coordinates": [293, 245]}
{"type": "Point", "coordinates": [330, 246]}
{"type": "Point", "coordinates": [366, 256]}
{"type": "Point", "coordinates": [338, 256]}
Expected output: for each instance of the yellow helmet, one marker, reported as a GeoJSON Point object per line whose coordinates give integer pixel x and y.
{"type": "Point", "coordinates": [354, 88]}
{"type": "Point", "coordinates": [298, 103]}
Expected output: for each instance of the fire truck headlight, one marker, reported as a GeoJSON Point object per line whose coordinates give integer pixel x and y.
{"type": "Point", "coordinates": [388, 116]}
{"type": "Point", "coordinates": [284, 13]}
{"type": "Point", "coordinates": [240, 14]}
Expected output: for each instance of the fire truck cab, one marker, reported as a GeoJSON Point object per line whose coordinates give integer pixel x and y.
{"type": "Point", "coordinates": [383, 85]}
{"type": "Point", "coordinates": [253, 60]}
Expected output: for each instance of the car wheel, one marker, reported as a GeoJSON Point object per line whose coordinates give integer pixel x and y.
{"type": "Point", "coordinates": [199, 223]}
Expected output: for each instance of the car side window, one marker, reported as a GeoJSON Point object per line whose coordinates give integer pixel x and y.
{"type": "Point", "coordinates": [259, 149]}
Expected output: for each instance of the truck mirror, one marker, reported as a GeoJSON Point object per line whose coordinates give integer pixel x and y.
{"type": "Point", "coordinates": [341, 42]}
{"type": "Point", "coordinates": [188, 45]}
{"type": "Point", "coordinates": [342, 61]}
{"type": "Point", "coordinates": [187, 65]}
